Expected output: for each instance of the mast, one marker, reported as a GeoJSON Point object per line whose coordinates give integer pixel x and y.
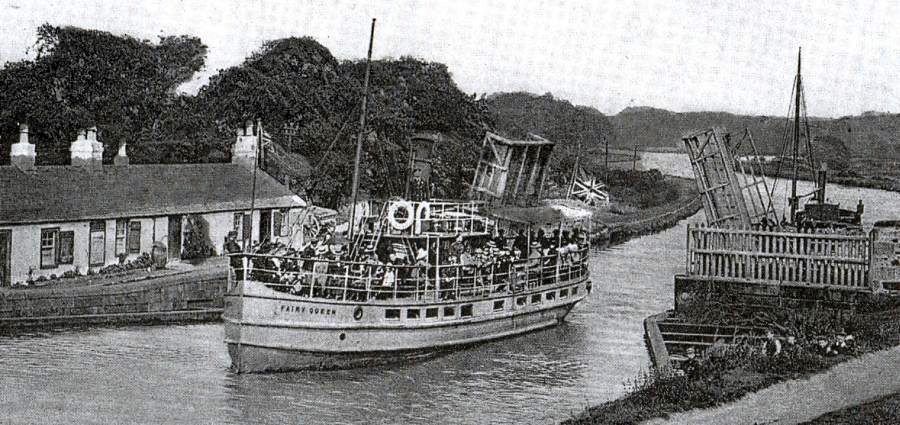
{"type": "Point", "coordinates": [362, 131]}
{"type": "Point", "coordinates": [794, 200]}
{"type": "Point", "coordinates": [248, 240]}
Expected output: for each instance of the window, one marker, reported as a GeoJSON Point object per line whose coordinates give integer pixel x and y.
{"type": "Point", "coordinates": [134, 237]}
{"type": "Point", "coordinates": [392, 314]}
{"type": "Point", "coordinates": [238, 220]}
{"type": "Point", "coordinates": [66, 248]}
{"type": "Point", "coordinates": [551, 296]}
{"type": "Point", "coordinates": [574, 290]}
{"type": "Point", "coordinates": [521, 300]}
{"type": "Point", "coordinates": [281, 225]}
{"type": "Point", "coordinates": [449, 312]}
{"type": "Point", "coordinates": [563, 293]}
{"type": "Point", "coordinates": [431, 313]}
{"type": "Point", "coordinates": [49, 239]}
{"type": "Point", "coordinates": [245, 231]}
{"type": "Point", "coordinates": [412, 313]}
{"type": "Point", "coordinates": [498, 305]}
{"type": "Point", "coordinates": [121, 226]}
{"type": "Point", "coordinates": [536, 298]}
{"type": "Point", "coordinates": [465, 311]}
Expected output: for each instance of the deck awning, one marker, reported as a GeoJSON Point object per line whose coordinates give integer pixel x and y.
{"type": "Point", "coordinates": [545, 214]}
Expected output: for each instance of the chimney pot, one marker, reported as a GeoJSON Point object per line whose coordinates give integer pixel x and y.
{"type": "Point", "coordinates": [22, 154]}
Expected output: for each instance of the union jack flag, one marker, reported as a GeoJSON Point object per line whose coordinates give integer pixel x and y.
{"type": "Point", "coordinates": [588, 189]}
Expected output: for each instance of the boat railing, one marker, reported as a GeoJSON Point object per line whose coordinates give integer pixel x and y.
{"type": "Point", "coordinates": [409, 218]}
{"type": "Point", "coordinates": [370, 281]}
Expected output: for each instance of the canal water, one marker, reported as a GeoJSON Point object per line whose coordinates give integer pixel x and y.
{"type": "Point", "coordinates": [178, 374]}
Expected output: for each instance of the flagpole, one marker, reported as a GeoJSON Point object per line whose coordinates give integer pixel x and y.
{"type": "Point", "coordinates": [248, 241]}
{"type": "Point", "coordinates": [574, 170]}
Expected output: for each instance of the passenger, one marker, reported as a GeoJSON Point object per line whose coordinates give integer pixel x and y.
{"type": "Point", "coordinates": [500, 240]}
{"type": "Point", "coordinates": [542, 239]}
{"type": "Point", "coordinates": [520, 243]}
{"type": "Point", "coordinates": [458, 247]}
{"type": "Point", "coordinates": [389, 280]}
{"type": "Point", "coordinates": [772, 346]}
{"type": "Point", "coordinates": [420, 273]}
{"type": "Point", "coordinates": [691, 366]}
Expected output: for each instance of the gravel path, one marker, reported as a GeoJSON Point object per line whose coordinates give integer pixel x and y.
{"type": "Point", "coordinates": [866, 378]}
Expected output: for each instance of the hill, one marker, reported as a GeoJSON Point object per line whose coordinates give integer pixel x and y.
{"type": "Point", "coordinates": [862, 135]}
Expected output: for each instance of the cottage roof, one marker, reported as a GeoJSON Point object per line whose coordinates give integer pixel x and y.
{"type": "Point", "coordinates": [69, 193]}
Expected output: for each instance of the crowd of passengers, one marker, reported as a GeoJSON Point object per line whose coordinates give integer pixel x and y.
{"type": "Point", "coordinates": [470, 266]}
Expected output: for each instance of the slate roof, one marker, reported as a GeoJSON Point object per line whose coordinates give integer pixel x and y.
{"type": "Point", "coordinates": [67, 193]}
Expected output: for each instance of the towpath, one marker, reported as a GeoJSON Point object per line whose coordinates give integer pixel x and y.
{"type": "Point", "coordinates": [851, 383]}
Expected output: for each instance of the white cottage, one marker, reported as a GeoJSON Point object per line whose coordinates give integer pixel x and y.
{"type": "Point", "coordinates": [86, 215]}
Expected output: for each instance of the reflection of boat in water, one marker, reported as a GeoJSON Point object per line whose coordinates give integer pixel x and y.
{"type": "Point", "coordinates": [289, 312]}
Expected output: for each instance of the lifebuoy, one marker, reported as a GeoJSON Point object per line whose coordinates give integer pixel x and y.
{"type": "Point", "coordinates": [357, 313]}
{"type": "Point", "coordinates": [410, 215]}
{"type": "Point", "coordinates": [423, 212]}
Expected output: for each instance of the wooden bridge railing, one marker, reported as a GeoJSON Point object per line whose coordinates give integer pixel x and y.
{"type": "Point", "coordinates": [762, 256]}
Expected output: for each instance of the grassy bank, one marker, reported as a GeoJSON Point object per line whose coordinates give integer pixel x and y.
{"type": "Point", "coordinates": [727, 373]}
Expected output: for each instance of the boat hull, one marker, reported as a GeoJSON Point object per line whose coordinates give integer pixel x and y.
{"type": "Point", "coordinates": [277, 333]}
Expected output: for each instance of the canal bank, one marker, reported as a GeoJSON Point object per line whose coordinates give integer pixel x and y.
{"type": "Point", "coordinates": [179, 294]}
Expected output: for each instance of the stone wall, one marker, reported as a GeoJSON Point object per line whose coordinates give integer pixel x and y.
{"type": "Point", "coordinates": [187, 296]}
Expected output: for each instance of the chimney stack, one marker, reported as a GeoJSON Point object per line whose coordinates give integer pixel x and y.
{"type": "Point", "coordinates": [122, 156]}
{"type": "Point", "coordinates": [22, 154]}
{"type": "Point", "coordinates": [245, 147]}
{"type": "Point", "coordinates": [82, 150]}
{"type": "Point", "coordinates": [86, 150]}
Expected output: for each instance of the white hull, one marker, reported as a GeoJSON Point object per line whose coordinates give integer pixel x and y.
{"type": "Point", "coordinates": [267, 330]}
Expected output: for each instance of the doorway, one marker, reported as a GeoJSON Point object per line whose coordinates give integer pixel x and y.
{"type": "Point", "coordinates": [175, 236]}
{"type": "Point", "coordinates": [5, 248]}
{"type": "Point", "coordinates": [265, 225]}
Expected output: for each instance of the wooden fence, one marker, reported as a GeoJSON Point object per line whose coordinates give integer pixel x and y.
{"type": "Point", "coordinates": [761, 256]}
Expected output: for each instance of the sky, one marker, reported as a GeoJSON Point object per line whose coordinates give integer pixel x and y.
{"type": "Point", "coordinates": [679, 55]}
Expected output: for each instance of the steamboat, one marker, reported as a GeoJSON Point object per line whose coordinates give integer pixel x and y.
{"type": "Point", "coordinates": [419, 276]}
{"type": "Point", "coordinates": [447, 282]}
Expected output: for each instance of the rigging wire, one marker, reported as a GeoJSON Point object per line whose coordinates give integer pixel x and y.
{"type": "Point", "coordinates": [784, 138]}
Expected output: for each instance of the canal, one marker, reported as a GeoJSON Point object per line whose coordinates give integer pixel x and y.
{"type": "Point", "coordinates": [180, 373]}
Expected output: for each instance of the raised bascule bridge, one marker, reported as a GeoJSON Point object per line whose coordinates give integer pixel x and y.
{"type": "Point", "coordinates": [745, 254]}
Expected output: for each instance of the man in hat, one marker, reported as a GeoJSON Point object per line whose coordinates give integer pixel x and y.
{"type": "Point", "coordinates": [691, 366]}
{"type": "Point", "coordinates": [458, 246]}
{"type": "Point", "coordinates": [232, 247]}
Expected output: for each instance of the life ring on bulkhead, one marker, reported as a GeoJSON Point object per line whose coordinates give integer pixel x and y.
{"type": "Point", "coordinates": [357, 313]}
{"type": "Point", "coordinates": [423, 212]}
{"type": "Point", "coordinates": [410, 215]}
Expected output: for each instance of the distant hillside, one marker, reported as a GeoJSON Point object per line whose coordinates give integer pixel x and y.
{"type": "Point", "coordinates": [862, 135]}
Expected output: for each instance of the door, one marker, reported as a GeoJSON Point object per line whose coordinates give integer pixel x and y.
{"type": "Point", "coordinates": [175, 236]}
{"type": "Point", "coordinates": [5, 248]}
{"type": "Point", "coordinates": [265, 225]}
{"type": "Point", "coordinates": [97, 243]}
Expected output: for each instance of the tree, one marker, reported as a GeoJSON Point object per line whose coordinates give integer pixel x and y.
{"type": "Point", "coordinates": [83, 78]}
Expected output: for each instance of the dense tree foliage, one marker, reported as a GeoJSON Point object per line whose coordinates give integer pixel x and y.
{"type": "Point", "coordinates": [82, 78]}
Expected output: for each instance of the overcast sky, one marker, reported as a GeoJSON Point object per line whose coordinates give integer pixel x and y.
{"type": "Point", "coordinates": [677, 55]}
